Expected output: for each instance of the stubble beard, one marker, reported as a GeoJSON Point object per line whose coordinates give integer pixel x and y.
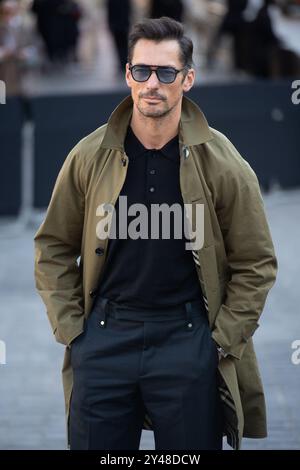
{"type": "Point", "coordinates": [156, 113]}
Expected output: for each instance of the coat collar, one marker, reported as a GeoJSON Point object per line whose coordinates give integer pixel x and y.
{"type": "Point", "coordinates": [193, 127]}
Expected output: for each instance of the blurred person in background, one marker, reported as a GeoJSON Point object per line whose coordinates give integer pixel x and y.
{"type": "Point", "coordinates": [72, 14]}
{"type": "Point", "coordinates": [18, 49]}
{"type": "Point", "coordinates": [202, 18]}
{"type": "Point", "coordinates": [232, 24]}
{"type": "Point", "coordinates": [266, 54]}
{"type": "Point", "coordinates": [261, 42]}
{"type": "Point", "coordinates": [171, 8]}
{"type": "Point", "coordinates": [118, 18]}
{"type": "Point", "coordinates": [58, 25]}
{"type": "Point", "coordinates": [257, 49]}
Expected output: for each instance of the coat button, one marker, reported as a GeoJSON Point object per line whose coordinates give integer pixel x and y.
{"type": "Point", "coordinates": [93, 292]}
{"type": "Point", "coordinates": [99, 251]}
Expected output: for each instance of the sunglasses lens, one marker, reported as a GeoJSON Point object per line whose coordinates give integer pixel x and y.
{"type": "Point", "coordinates": [140, 74]}
{"type": "Point", "coordinates": [166, 75]}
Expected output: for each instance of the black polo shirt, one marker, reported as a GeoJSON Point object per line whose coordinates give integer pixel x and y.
{"type": "Point", "coordinates": [149, 273]}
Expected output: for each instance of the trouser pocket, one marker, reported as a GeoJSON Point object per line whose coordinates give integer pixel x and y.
{"type": "Point", "coordinates": [79, 342]}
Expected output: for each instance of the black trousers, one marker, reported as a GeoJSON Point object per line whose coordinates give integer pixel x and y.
{"type": "Point", "coordinates": [127, 362]}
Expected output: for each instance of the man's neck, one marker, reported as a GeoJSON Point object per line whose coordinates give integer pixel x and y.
{"type": "Point", "coordinates": [154, 133]}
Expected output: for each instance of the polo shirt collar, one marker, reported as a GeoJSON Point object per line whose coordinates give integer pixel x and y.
{"type": "Point", "coordinates": [135, 148]}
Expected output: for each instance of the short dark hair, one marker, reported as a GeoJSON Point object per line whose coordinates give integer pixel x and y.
{"type": "Point", "coordinates": [160, 29]}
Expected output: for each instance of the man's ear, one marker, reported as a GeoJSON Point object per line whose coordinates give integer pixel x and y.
{"type": "Point", "coordinates": [189, 80]}
{"type": "Point", "coordinates": [128, 75]}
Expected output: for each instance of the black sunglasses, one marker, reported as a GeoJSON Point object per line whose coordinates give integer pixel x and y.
{"type": "Point", "coordinates": [141, 73]}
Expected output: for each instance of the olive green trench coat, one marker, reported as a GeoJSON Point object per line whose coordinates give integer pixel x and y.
{"type": "Point", "coordinates": [236, 265]}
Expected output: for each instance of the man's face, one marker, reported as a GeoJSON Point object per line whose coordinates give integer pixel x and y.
{"type": "Point", "coordinates": [152, 98]}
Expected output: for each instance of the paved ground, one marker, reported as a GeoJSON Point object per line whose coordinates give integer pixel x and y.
{"type": "Point", "coordinates": [31, 396]}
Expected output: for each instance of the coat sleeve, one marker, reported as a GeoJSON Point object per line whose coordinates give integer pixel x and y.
{"type": "Point", "coordinates": [250, 253]}
{"type": "Point", "coordinates": [57, 245]}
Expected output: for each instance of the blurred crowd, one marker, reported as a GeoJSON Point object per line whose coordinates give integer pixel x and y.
{"type": "Point", "coordinates": [47, 35]}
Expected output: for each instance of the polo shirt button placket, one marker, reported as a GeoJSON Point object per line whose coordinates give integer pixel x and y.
{"type": "Point", "coordinates": [152, 172]}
